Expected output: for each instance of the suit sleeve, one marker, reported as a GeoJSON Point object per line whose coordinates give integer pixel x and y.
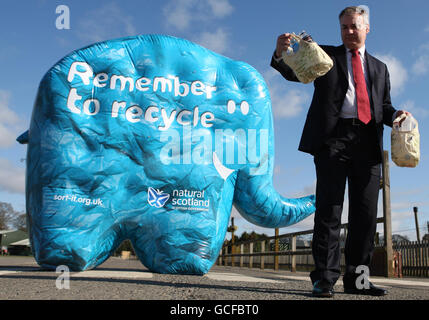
{"type": "Point", "coordinates": [388, 109]}
{"type": "Point", "coordinates": [284, 69]}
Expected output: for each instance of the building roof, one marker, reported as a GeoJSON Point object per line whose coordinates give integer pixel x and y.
{"type": "Point", "coordinates": [25, 242]}
{"type": "Point", "coordinates": [6, 231]}
{"type": "Point", "coordinates": [10, 236]}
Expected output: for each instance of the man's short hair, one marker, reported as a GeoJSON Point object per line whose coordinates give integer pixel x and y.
{"type": "Point", "coordinates": [356, 10]}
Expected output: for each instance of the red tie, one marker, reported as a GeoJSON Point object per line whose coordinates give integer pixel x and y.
{"type": "Point", "coordinates": [364, 111]}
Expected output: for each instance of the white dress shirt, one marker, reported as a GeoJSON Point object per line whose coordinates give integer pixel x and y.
{"type": "Point", "coordinates": [349, 108]}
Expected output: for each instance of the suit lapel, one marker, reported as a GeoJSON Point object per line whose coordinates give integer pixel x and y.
{"type": "Point", "coordinates": [342, 60]}
{"type": "Point", "coordinates": [371, 76]}
{"type": "Point", "coordinates": [370, 66]}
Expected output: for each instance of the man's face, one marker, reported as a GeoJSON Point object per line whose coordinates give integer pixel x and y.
{"type": "Point", "coordinates": [353, 31]}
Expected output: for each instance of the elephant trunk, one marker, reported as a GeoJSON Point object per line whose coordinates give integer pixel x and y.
{"type": "Point", "coordinates": [258, 202]}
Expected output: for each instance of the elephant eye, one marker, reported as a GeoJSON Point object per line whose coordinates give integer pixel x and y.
{"type": "Point", "coordinates": [231, 107]}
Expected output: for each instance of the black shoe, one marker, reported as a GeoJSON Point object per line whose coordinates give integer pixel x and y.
{"type": "Point", "coordinates": [323, 289]}
{"type": "Point", "coordinates": [371, 291]}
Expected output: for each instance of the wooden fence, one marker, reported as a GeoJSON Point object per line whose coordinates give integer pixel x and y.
{"type": "Point", "coordinates": [414, 258]}
{"type": "Point", "coordinates": [410, 258]}
{"type": "Point", "coordinates": [269, 253]}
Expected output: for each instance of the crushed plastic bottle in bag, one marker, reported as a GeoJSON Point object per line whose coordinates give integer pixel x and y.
{"type": "Point", "coordinates": [407, 125]}
{"type": "Point", "coordinates": [294, 43]}
{"type": "Point", "coordinates": [305, 36]}
{"type": "Point", "coordinates": [405, 141]}
{"type": "Point", "coordinates": [306, 58]}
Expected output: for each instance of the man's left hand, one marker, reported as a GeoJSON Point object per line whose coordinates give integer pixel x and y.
{"type": "Point", "coordinates": [400, 112]}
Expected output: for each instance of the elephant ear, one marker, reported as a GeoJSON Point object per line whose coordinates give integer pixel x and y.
{"type": "Point", "coordinates": [255, 197]}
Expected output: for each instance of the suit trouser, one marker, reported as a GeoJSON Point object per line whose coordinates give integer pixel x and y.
{"type": "Point", "coordinates": [351, 155]}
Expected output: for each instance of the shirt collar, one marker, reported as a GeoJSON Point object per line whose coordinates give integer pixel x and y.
{"type": "Point", "coordinates": [361, 51]}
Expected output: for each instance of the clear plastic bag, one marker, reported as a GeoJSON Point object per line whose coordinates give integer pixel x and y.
{"type": "Point", "coordinates": [306, 59]}
{"type": "Point", "coordinates": [405, 142]}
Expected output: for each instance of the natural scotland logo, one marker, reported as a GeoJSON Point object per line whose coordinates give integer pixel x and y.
{"type": "Point", "coordinates": [181, 199]}
{"type": "Point", "coordinates": [156, 198]}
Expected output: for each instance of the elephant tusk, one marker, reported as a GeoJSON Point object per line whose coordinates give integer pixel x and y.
{"type": "Point", "coordinates": [223, 171]}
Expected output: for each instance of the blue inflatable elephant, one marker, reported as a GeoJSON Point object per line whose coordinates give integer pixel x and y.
{"type": "Point", "coordinates": [153, 139]}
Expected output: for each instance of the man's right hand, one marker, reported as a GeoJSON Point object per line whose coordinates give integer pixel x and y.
{"type": "Point", "coordinates": [283, 43]}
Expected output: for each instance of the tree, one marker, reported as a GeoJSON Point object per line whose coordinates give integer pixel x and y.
{"type": "Point", "coordinates": [253, 236]}
{"type": "Point", "coordinates": [20, 221]}
{"type": "Point", "coordinates": [6, 215]}
{"type": "Point", "coordinates": [397, 238]}
{"type": "Point", "coordinates": [9, 218]}
{"type": "Point", "coordinates": [244, 236]}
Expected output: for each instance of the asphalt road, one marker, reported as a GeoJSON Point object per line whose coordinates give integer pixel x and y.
{"type": "Point", "coordinates": [116, 279]}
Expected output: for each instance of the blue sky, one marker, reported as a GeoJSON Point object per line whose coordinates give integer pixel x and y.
{"type": "Point", "coordinates": [241, 30]}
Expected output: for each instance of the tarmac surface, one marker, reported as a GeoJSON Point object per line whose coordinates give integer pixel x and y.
{"type": "Point", "coordinates": [117, 279]}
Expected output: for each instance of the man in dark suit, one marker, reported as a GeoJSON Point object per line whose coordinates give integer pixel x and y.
{"type": "Point", "coordinates": [344, 133]}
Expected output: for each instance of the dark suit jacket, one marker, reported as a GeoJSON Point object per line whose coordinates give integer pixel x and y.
{"type": "Point", "coordinates": [329, 93]}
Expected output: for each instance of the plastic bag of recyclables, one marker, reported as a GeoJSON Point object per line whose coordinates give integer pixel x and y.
{"type": "Point", "coordinates": [405, 142]}
{"type": "Point", "coordinates": [306, 59]}
{"type": "Point", "coordinates": [153, 139]}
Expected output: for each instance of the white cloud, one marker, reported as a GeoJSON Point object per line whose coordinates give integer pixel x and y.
{"type": "Point", "coordinates": [104, 23]}
{"type": "Point", "coordinates": [220, 8]}
{"type": "Point", "coordinates": [216, 41]}
{"type": "Point", "coordinates": [285, 103]}
{"type": "Point", "coordinates": [421, 64]}
{"type": "Point", "coordinates": [416, 111]}
{"type": "Point", "coordinates": [7, 115]}
{"type": "Point", "coordinates": [288, 104]}
{"type": "Point", "coordinates": [7, 137]}
{"type": "Point", "coordinates": [181, 14]}
{"type": "Point", "coordinates": [9, 121]}
{"type": "Point", "coordinates": [235, 213]}
{"type": "Point", "coordinates": [398, 73]}
{"type": "Point", "coordinates": [12, 178]}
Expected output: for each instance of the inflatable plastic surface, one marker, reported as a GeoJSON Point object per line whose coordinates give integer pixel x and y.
{"type": "Point", "coordinates": [152, 139]}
